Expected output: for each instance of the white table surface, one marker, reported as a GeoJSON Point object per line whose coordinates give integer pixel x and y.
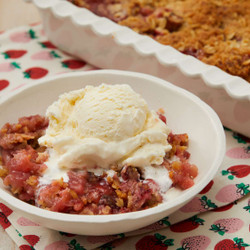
{"type": "Point", "coordinates": [14, 13]}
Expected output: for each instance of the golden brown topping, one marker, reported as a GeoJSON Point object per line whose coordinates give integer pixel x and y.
{"type": "Point", "coordinates": [119, 202]}
{"type": "Point", "coordinates": [32, 181]}
{"type": "Point", "coordinates": [3, 172]}
{"type": "Point", "coordinates": [73, 194]}
{"type": "Point", "coordinates": [214, 31]}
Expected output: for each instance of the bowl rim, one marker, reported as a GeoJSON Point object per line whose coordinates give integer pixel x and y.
{"type": "Point", "coordinates": [76, 218]}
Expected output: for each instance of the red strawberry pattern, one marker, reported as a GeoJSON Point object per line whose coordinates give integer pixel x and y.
{"type": "Point", "coordinates": [223, 208]}
{"type": "Point", "coordinates": [4, 84]}
{"type": "Point", "coordinates": [113, 244]}
{"type": "Point", "coordinates": [239, 171]}
{"type": "Point", "coordinates": [101, 239]}
{"type": "Point", "coordinates": [187, 225]}
{"type": "Point", "coordinates": [228, 225]}
{"type": "Point", "coordinates": [59, 245]}
{"type": "Point", "coordinates": [228, 244]}
{"type": "Point", "coordinates": [35, 73]}
{"type": "Point", "coordinates": [158, 225]}
{"type": "Point", "coordinates": [47, 44]}
{"type": "Point", "coordinates": [207, 188]}
{"type": "Point", "coordinates": [45, 55]}
{"type": "Point", "coordinates": [32, 239]}
{"type": "Point", "coordinates": [247, 208]}
{"type": "Point", "coordinates": [156, 242]}
{"type": "Point", "coordinates": [200, 242]}
{"type": "Point", "coordinates": [7, 67]}
{"type": "Point", "coordinates": [14, 54]}
{"type": "Point", "coordinates": [241, 138]}
{"type": "Point", "coordinates": [73, 244]}
{"type": "Point", "coordinates": [198, 205]}
{"type": "Point", "coordinates": [232, 192]}
{"type": "Point", "coordinates": [6, 210]}
{"type": "Point", "coordinates": [26, 222]}
{"type": "Point", "coordinates": [73, 64]}
{"type": "Point", "coordinates": [23, 36]}
{"type": "Point", "coordinates": [4, 222]}
{"type": "Point", "coordinates": [26, 247]}
{"type": "Point", "coordinates": [110, 240]}
{"type": "Point", "coordinates": [239, 153]}
{"type": "Point", "coordinates": [195, 205]}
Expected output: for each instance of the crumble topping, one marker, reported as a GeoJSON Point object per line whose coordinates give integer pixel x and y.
{"type": "Point", "coordinates": [214, 31]}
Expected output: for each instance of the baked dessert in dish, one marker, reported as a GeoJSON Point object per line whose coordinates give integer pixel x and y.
{"type": "Point", "coordinates": [215, 32]}
{"type": "Point", "coordinates": [99, 150]}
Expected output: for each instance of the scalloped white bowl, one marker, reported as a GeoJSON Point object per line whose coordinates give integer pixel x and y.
{"type": "Point", "coordinates": [185, 113]}
{"type": "Point", "coordinates": [108, 45]}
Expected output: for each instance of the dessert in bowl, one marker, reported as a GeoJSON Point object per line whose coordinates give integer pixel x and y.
{"type": "Point", "coordinates": [114, 161]}
{"type": "Point", "coordinates": [99, 150]}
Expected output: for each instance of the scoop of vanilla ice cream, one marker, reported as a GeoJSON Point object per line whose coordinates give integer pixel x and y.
{"type": "Point", "coordinates": [108, 113]}
{"type": "Point", "coordinates": [102, 126]}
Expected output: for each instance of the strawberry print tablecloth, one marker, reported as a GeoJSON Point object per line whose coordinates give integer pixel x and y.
{"type": "Point", "coordinates": [217, 218]}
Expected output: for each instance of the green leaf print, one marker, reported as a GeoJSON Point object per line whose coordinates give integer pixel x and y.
{"type": "Point", "coordinates": [242, 188]}
{"type": "Point", "coordinates": [197, 220]}
{"type": "Point", "coordinates": [54, 54]}
{"type": "Point", "coordinates": [18, 233]}
{"type": "Point", "coordinates": [229, 176]}
{"type": "Point", "coordinates": [204, 198]}
{"type": "Point", "coordinates": [247, 208]}
{"type": "Point", "coordinates": [165, 221]}
{"type": "Point", "coordinates": [240, 243]}
{"type": "Point", "coordinates": [169, 242]}
{"type": "Point", "coordinates": [32, 34]}
{"type": "Point", "coordinates": [245, 245]}
{"type": "Point", "coordinates": [122, 235]}
{"type": "Point", "coordinates": [15, 65]}
{"type": "Point", "coordinates": [224, 172]}
{"type": "Point", "coordinates": [227, 129]}
{"type": "Point", "coordinates": [239, 138]}
{"type": "Point", "coordinates": [160, 237]}
{"type": "Point", "coordinates": [6, 56]}
{"type": "Point", "coordinates": [207, 203]}
{"type": "Point", "coordinates": [107, 246]}
{"type": "Point", "coordinates": [74, 245]}
{"type": "Point", "coordinates": [217, 228]}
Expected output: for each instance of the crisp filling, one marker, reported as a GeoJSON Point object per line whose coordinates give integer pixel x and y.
{"type": "Point", "coordinates": [118, 189]}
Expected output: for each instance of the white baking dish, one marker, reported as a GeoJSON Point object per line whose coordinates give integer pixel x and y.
{"type": "Point", "coordinates": [106, 44]}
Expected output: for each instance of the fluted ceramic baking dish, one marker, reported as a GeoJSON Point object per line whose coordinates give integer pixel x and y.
{"type": "Point", "coordinates": [106, 44]}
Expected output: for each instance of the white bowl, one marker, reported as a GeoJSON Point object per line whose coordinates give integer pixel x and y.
{"type": "Point", "coordinates": [185, 113]}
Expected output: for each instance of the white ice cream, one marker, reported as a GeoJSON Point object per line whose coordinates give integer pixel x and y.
{"type": "Point", "coordinates": [102, 126]}
{"type": "Point", "coordinates": [161, 176]}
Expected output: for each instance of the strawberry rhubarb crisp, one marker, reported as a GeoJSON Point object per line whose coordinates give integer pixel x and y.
{"type": "Point", "coordinates": [215, 32]}
{"type": "Point", "coordinates": [99, 150]}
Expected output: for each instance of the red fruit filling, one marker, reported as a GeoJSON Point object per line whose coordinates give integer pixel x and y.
{"type": "Point", "coordinates": [181, 171]}
{"type": "Point", "coordinates": [126, 190]}
{"type": "Point", "coordinates": [22, 158]}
